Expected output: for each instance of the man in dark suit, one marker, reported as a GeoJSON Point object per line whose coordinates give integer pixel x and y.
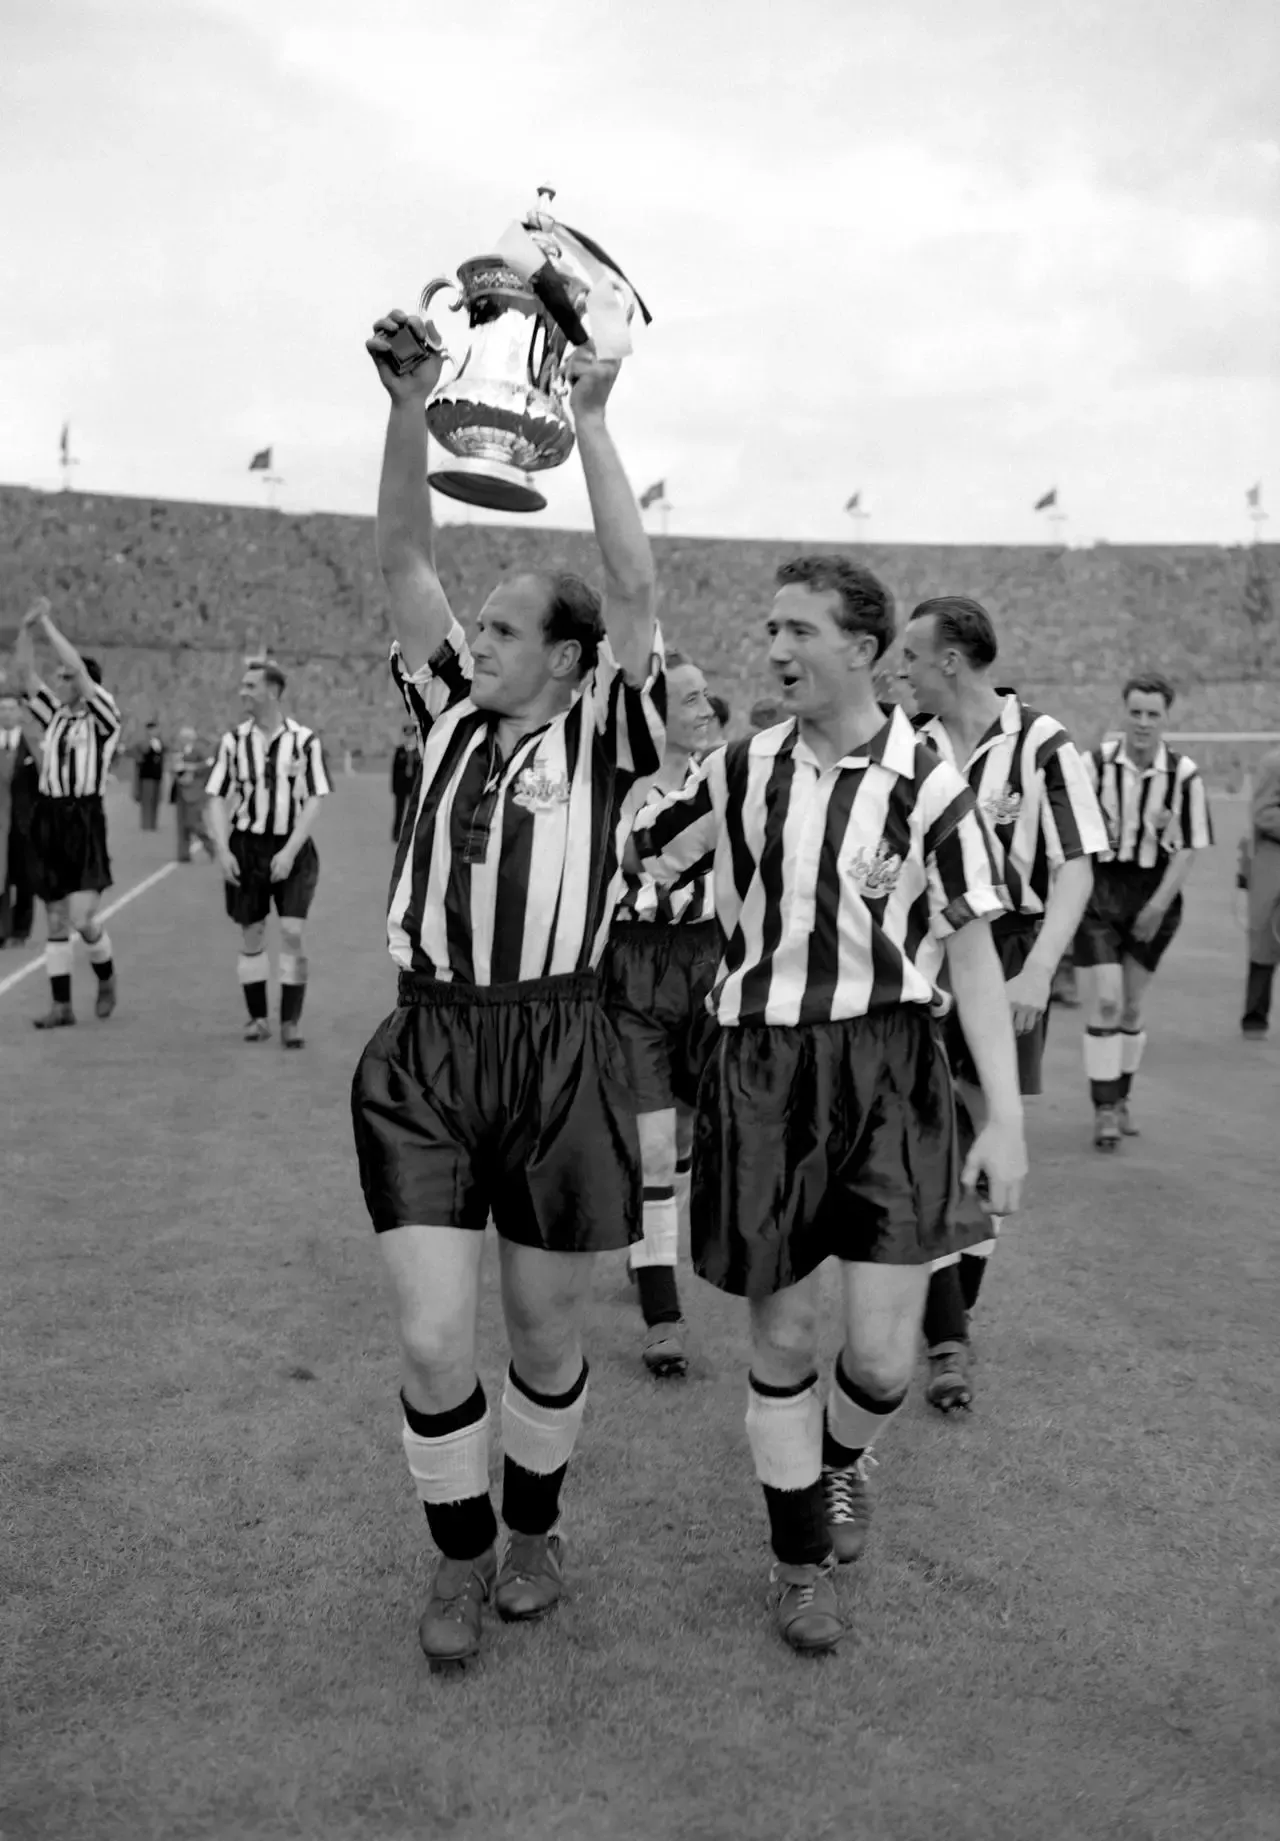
{"type": "Point", "coordinates": [19, 776]}
{"type": "Point", "coordinates": [404, 771]}
{"type": "Point", "coordinates": [148, 774]}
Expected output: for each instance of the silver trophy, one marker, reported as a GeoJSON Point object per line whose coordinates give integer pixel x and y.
{"type": "Point", "coordinates": [502, 415]}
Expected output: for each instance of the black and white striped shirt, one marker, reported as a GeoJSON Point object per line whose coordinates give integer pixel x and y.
{"type": "Point", "coordinates": [266, 780]}
{"type": "Point", "coordinates": [509, 870]}
{"type": "Point", "coordinates": [1035, 795]}
{"type": "Point", "coordinates": [1150, 813]}
{"type": "Point", "coordinates": [690, 899]}
{"type": "Point", "coordinates": [834, 887]}
{"type": "Point", "coordinates": [77, 742]}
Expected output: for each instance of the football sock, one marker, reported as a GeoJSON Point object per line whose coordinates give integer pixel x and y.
{"type": "Point", "coordinates": [854, 1419]}
{"type": "Point", "coordinates": [944, 1308]}
{"type": "Point", "coordinates": [293, 985]}
{"type": "Point", "coordinates": [251, 970]}
{"type": "Point", "coordinates": [684, 1179]}
{"type": "Point", "coordinates": [100, 954]}
{"type": "Point", "coordinates": [59, 958]}
{"type": "Point", "coordinates": [653, 1260]}
{"type": "Point", "coordinates": [1132, 1044]}
{"type": "Point", "coordinates": [448, 1457]}
{"type": "Point", "coordinates": [538, 1435]}
{"type": "Point", "coordinates": [784, 1430]}
{"type": "Point", "coordinates": [1102, 1065]}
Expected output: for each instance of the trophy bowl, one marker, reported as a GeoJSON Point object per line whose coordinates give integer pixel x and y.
{"type": "Point", "coordinates": [502, 415]}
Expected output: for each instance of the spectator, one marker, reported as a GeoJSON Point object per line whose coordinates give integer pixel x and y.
{"type": "Point", "coordinates": [19, 778]}
{"type": "Point", "coordinates": [1260, 874]}
{"type": "Point", "coordinates": [148, 773]}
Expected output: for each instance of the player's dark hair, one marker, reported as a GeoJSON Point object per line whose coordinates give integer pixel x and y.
{"type": "Point", "coordinates": [766, 713]}
{"type": "Point", "coordinates": [93, 668]}
{"type": "Point", "coordinates": [573, 612]}
{"type": "Point", "coordinates": [866, 606]}
{"type": "Point", "coordinates": [719, 709]}
{"type": "Point", "coordinates": [1152, 685]}
{"type": "Point", "coordinates": [963, 624]}
{"type": "Point", "coordinates": [271, 673]}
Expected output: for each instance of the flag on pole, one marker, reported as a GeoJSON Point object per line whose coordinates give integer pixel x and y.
{"type": "Point", "coordinates": [1253, 497]}
{"type": "Point", "coordinates": [261, 462]}
{"type": "Point", "coordinates": [653, 495]}
{"type": "Point", "coordinates": [64, 441]}
{"type": "Point", "coordinates": [852, 503]}
{"type": "Point", "coordinates": [1046, 499]}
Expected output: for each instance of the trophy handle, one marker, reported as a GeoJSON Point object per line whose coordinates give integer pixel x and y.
{"type": "Point", "coordinates": [429, 293]}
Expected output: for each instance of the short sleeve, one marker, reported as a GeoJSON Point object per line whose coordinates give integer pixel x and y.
{"type": "Point", "coordinates": [435, 687]}
{"type": "Point", "coordinates": [1071, 817]}
{"type": "Point", "coordinates": [630, 720]}
{"type": "Point", "coordinates": [318, 783]}
{"type": "Point", "coordinates": [959, 867]}
{"type": "Point", "coordinates": [220, 779]}
{"type": "Point", "coordinates": [103, 711]}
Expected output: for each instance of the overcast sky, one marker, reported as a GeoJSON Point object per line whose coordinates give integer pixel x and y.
{"type": "Point", "coordinates": [950, 255]}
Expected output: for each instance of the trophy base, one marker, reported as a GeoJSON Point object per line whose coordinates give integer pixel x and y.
{"type": "Point", "coordinates": [487, 483]}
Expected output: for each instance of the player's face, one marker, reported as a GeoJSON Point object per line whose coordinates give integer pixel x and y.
{"type": "Point", "coordinates": [64, 685]}
{"type": "Point", "coordinates": [921, 667]}
{"type": "Point", "coordinates": [513, 664]}
{"type": "Point", "coordinates": [1144, 720]}
{"type": "Point", "coordinates": [9, 712]}
{"type": "Point", "coordinates": [690, 723]}
{"type": "Point", "coordinates": [187, 738]}
{"type": "Point", "coordinates": [815, 662]}
{"type": "Point", "coordinates": [255, 692]}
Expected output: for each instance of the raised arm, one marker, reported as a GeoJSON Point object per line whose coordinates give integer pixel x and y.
{"type": "Point", "coordinates": [24, 651]}
{"type": "Point", "coordinates": [70, 658]}
{"type": "Point", "coordinates": [420, 612]}
{"type": "Point", "coordinates": [630, 595]}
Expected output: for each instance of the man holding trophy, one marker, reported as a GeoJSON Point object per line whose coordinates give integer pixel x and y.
{"type": "Point", "coordinates": [497, 1086]}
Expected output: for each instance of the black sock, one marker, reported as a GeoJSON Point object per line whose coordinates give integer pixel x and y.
{"type": "Point", "coordinates": [531, 1500]}
{"type": "Point", "coordinates": [60, 985]}
{"type": "Point", "coordinates": [1126, 1081]}
{"type": "Point", "coordinates": [461, 1530]}
{"type": "Point", "coordinates": [945, 1307]}
{"type": "Point", "coordinates": [291, 996]}
{"type": "Point", "coordinates": [255, 997]}
{"type": "Point", "coordinates": [836, 1456]}
{"type": "Point", "coordinates": [659, 1295]}
{"type": "Point", "coordinates": [104, 971]}
{"type": "Point", "coordinates": [972, 1273]}
{"type": "Point", "coordinates": [798, 1531]}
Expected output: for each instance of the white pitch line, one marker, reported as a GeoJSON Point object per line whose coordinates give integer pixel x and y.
{"type": "Point", "coordinates": [103, 914]}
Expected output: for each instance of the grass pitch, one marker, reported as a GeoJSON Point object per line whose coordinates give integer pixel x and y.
{"type": "Point", "coordinates": [214, 1565]}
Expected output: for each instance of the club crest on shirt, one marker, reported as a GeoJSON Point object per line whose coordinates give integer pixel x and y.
{"type": "Point", "coordinates": [875, 872]}
{"type": "Point", "coordinates": [539, 790]}
{"type": "Point", "coordinates": [1002, 808]}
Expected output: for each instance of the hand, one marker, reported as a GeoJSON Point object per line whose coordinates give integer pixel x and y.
{"type": "Point", "coordinates": [230, 868]}
{"type": "Point", "coordinates": [282, 864]}
{"type": "Point", "coordinates": [415, 385]}
{"type": "Point", "coordinates": [592, 379]}
{"type": "Point", "coordinates": [1000, 1154]}
{"type": "Point", "coordinates": [1028, 996]}
{"type": "Point", "coordinates": [1148, 922]}
{"type": "Point", "coordinates": [40, 609]}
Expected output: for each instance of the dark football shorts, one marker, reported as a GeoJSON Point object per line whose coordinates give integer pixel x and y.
{"type": "Point", "coordinates": [832, 1140]}
{"type": "Point", "coordinates": [656, 983]}
{"type": "Point", "coordinates": [1014, 936]}
{"type": "Point", "coordinates": [68, 847]}
{"type": "Point", "coordinates": [508, 1100]}
{"type": "Point", "coordinates": [1120, 892]}
{"type": "Point", "coordinates": [251, 899]}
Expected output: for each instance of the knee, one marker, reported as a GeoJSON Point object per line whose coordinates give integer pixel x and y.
{"type": "Point", "coordinates": [658, 1149]}
{"type": "Point", "coordinates": [543, 1339]}
{"type": "Point", "coordinates": [59, 921]}
{"type": "Point", "coordinates": [1108, 1011]}
{"type": "Point", "coordinates": [291, 935]}
{"type": "Point", "coordinates": [784, 1342]}
{"type": "Point", "coordinates": [882, 1365]}
{"type": "Point", "coordinates": [1131, 1018]}
{"type": "Point", "coordinates": [438, 1353]}
{"type": "Point", "coordinates": [254, 938]}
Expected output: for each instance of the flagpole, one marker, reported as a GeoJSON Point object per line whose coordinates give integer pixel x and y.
{"type": "Point", "coordinates": [1257, 516]}
{"type": "Point", "coordinates": [664, 513]}
{"type": "Point", "coordinates": [860, 518]}
{"type": "Point", "coordinates": [1057, 519]}
{"type": "Point", "coordinates": [65, 460]}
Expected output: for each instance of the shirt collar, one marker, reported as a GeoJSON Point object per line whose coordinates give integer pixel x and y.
{"type": "Point", "coordinates": [893, 746]}
{"type": "Point", "coordinates": [1159, 764]}
{"type": "Point", "coordinates": [1008, 722]}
